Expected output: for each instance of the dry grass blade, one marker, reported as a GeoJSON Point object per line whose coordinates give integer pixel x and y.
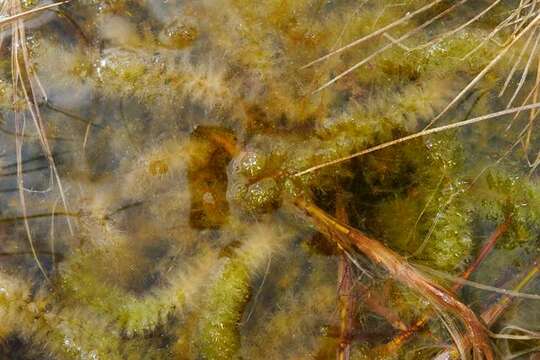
{"type": "Point", "coordinates": [459, 28]}
{"type": "Point", "coordinates": [532, 93]}
{"type": "Point", "coordinates": [381, 31]}
{"type": "Point", "coordinates": [420, 134]}
{"type": "Point", "coordinates": [476, 285]}
{"type": "Point", "coordinates": [524, 73]}
{"type": "Point", "coordinates": [480, 76]}
{"type": "Point", "coordinates": [516, 64]}
{"type": "Point", "coordinates": [22, 14]}
{"type": "Point", "coordinates": [490, 37]}
{"type": "Point", "coordinates": [20, 123]}
{"type": "Point", "coordinates": [389, 45]}
{"type": "Point", "coordinates": [26, 86]}
{"type": "Point", "coordinates": [533, 114]}
{"type": "Point", "coordinates": [522, 19]}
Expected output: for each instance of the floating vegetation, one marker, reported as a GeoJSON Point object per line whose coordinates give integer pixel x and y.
{"type": "Point", "coordinates": [293, 179]}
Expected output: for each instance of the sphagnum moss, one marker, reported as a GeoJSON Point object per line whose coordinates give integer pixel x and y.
{"type": "Point", "coordinates": [187, 126]}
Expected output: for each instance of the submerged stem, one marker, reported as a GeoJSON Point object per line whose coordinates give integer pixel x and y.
{"type": "Point", "coordinates": [346, 293]}
{"type": "Point", "coordinates": [402, 271]}
{"type": "Point", "coordinates": [494, 312]}
{"type": "Point", "coordinates": [400, 339]}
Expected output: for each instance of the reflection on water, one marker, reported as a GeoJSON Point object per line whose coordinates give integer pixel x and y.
{"type": "Point", "coordinates": [156, 159]}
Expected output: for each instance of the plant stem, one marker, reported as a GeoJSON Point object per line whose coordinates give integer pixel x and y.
{"type": "Point", "coordinates": [400, 339]}
{"type": "Point", "coordinates": [402, 271]}
{"type": "Point", "coordinates": [494, 312]}
{"type": "Point", "coordinates": [377, 305]}
{"type": "Point", "coordinates": [346, 293]}
{"type": "Point", "coordinates": [486, 249]}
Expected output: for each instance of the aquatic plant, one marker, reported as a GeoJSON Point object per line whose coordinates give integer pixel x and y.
{"type": "Point", "coordinates": [285, 179]}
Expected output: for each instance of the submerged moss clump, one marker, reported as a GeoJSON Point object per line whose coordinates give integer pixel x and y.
{"type": "Point", "coordinates": [418, 196]}
{"type": "Point", "coordinates": [82, 285]}
{"type": "Point", "coordinates": [219, 336]}
{"type": "Point", "coordinates": [501, 197]}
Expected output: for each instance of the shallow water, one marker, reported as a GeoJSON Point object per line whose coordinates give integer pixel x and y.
{"type": "Point", "coordinates": [154, 176]}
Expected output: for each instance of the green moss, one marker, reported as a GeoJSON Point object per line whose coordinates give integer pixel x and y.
{"type": "Point", "coordinates": [219, 337]}
{"type": "Point", "coordinates": [451, 241]}
{"type": "Point", "coordinates": [262, 194]}
{"type": "Point", "coordinates": [178, 34]}
{"type": "Point", "coordinates": [224, 81]}
{"type": "Point", "coordinates": [253, 163]}
{"type": "Point", "coordinates": [501, 197]}
{"type": "Point", "coordinates": [421, 208]}
{"type": "Point", "coordinates": [81, 285]}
